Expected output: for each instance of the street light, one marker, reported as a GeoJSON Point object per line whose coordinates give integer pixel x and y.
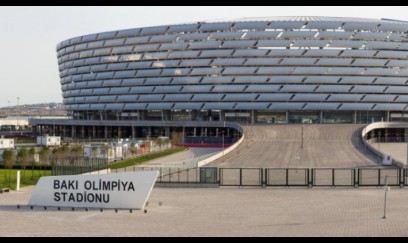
{"type": "Point", "coordinates": [222, 146]}
{"type": "Point", "coordinates": [18, 112]}
{"type": "Point", "coordinates": [303, 126]}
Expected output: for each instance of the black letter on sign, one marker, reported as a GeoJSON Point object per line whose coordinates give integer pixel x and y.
{"type": "Point", "coordinates": [57, 197]}
{"type": "Point", "coordinates": [56, 184]}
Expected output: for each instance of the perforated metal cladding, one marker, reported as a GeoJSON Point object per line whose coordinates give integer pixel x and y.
{"type": "Point", "coordinates": [283, 63]}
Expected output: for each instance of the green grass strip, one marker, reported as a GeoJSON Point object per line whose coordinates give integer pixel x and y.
{"type": "Point", "coordinates": [145, 158]}
{"type": "Point", "coordinates": [25, 179]}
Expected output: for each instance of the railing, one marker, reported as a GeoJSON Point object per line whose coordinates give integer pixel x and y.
{"type": "Point", "coordinates": [259, 177]}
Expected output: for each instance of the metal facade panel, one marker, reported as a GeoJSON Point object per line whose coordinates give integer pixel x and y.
{"type": "Point", "coordinates": [154, 30]}
{"type": "Point", "coordinates": [286, 24]}
{"type": "Point", "coordinates": [128, 32]}
{"type": "Point", "coordinates": [197, 89]}
{"type": "Point", "coordinates": [286, 79]}
{"type": "Point", "coordinates": [335, 34]}
{"type": "Point", "coordinates": [215, 26]}
{"type": "Point", "coordinates": [177, 97]}
{"type": "Point", "coordinates": [397, 90]}
{"type": "Point", "coordinates": [133, 82]}
{"type": "Point", "coordinates": [262, 34]}
{"type": "Point", "coordinates": [167, 89]}
{"type": "Point", "coordinates": [298, 61]}
{"type": "Point", "coordinates": [360, 26]}
{"type": "Point", "coordinates": [228, 62]}
{"type": "Point", "coordinates": [240, 97]}
{"type": "Point", "coordinates": [238, 44]}
{"type": "Point", "coordinates": [229, 88]}
{"type": "Point", "coordinates": [157, 81]}
{"type": "Point", "coordinates": [186, 80]}
{"type": "Point", "coordinates": [226, 35]}
{"type": "Point", "coordinates": [252, 106]}
{"type": "Point", "coordinates": [142, 90]}
{"type": "Point", "coordinates": [309, 97]}
{"type": "Point", "coordinates": [334, 61]}
{"type": "Point", "coordinates": [128, 98]}
{"type": "Point", "coordinates": [286, 106]}
{"type": "Point", "coordinates": [138, 106]}
{"type": "Point", "coordinates": [371, 35]}
{"type": "Point", "coordinates": [391, 80]}
{"type": "Point", "coordinates": [390, 107]}
{"type": "Point", "coordinates": [345, 97]}
{"type": "Point", "coordinates": [251, 79]}
{"type": "Point", "coordinates": [334, 88]}
{"type": "Point", "coordinates": [114, 107]}
{"type": "Point", "coordinates": [188, 106]}
{"type": "Point", "coordinates": [217, 80]}
{"type": "Point", "coordinates": [298, 34]}
{"type": "Point", "coordinates": [322, 53]}
{"type": "Point", "coordinates": [120, 90]}
{"type": "Point", "coordinates": [219, 106]}
{"type": "Point", "coordinates": [379, 98]}
{"type": "Point", "coordinates": [322, 79]}
{"type": "Point", "coordinates": [262, 61]}
{"type": "Point", "coordinates": [356, 106]}
{"type": "Point", "coordinates": [263, 88]}
{"type": "Point", "coordinates": [208, 97]}
{"type": "Point", "coordinates": [357, 80]}
{"type": "Point", "coordinates": [183, 28]}
{"type": "Point", "coordinates": [310, 43]}
{"type": "Point", "coordinates": [298, 88]}
{"type": "Point", "coordinates": [151, 98]}
{"type": "Point", "coordinates": [321, 106]}
{"type": "Point", "coordinates": [107, 99]}
{"type": "Point", "coordinates": [250, 25]}
{"type": "Point", "coordinates": [368, 89]}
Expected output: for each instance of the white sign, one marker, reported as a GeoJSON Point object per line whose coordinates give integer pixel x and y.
{"type": "Point", "coordinates": [114, 191]}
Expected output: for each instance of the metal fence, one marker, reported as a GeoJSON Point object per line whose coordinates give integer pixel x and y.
{"type": "Point", "coordinates": [256, 177]}
{"type": "Point", "coordinates": [81, 166]}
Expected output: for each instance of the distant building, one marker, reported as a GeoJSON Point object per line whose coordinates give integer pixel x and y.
{"type": "Point", "coordinates": [48, 141]}
{"type": "Point", "coordinates": [6, 143]}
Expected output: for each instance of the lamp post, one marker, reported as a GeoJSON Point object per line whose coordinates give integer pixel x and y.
{"type": "Point", "coordinates": [222, 146]}
{"type": "Point", "coordinates": [18, 111]}
{"type": "Point", "coordinates": [303, 127]}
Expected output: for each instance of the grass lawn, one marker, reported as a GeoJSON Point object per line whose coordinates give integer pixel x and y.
{"type": "Point", "coordinates": [24, 181]}
{"type": "Point", "coordinates": [145, 158]}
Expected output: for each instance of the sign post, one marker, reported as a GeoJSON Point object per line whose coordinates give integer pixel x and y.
{"type": "Point", "coordinates": [18, 181]}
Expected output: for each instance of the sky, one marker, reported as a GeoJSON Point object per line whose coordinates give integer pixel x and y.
{"type": "Point", "coordinates": [29, 35]}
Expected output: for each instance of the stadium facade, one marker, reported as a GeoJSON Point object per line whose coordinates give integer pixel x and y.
{"type": "Point", "coordinates": [250, 70]}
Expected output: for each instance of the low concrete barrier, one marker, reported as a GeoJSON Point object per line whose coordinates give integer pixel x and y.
{"type": "Point", "coordinates": [382, 125]}
{"type": "Point", "coordinates": [220, 154]}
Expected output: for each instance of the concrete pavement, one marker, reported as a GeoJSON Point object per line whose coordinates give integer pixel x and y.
{"type": "Point", "coordinates": [222, 212]}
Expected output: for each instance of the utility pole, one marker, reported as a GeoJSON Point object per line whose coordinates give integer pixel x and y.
{"type": "Point", "coordinates": [18, 112]}
{"type": "Point", "coordinates": [303, 126]}
{"type": "Point", "coordinates": [222, 146]}
{"type": "Point", "coordinates": [385, 196]}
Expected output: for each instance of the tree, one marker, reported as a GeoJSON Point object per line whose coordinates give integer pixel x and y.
{"type": "Point", "coordinates": [94, 152]}
{"type": "Point", "coordinates": [77, 152]}
{"type": "Point", "coordinates": [44, 156]}
{"type": "Point", "coordinates": [9, 157]}
{"type": "Point", "coordinates": [177, 138]}
{"type": "Point", "coordinates": [23, 158]}
{"type": "Point", "coordinates": [32, 153]}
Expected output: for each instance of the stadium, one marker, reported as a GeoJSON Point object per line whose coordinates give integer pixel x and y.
{"type": "Point", "coordinates": [204, 78]}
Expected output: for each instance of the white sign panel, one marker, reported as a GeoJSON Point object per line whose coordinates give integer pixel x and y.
{"type": "Point", "coordinates": [114, 191]}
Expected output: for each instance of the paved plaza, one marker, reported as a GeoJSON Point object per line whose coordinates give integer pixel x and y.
{"type": "Point", "coordinates": [280, 146]}
{"type": "Point", "coordinates": [221, 212]}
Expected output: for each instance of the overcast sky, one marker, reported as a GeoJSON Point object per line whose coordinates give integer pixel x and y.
{"type": "Point", "coordinates": [29, 35]}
